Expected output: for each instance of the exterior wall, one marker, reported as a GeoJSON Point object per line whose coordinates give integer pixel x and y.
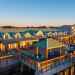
{"type": "Point", "coordinates": [42, 45]}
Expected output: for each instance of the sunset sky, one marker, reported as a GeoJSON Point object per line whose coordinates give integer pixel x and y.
{"type": "Point", "coordinates": [37, 12]}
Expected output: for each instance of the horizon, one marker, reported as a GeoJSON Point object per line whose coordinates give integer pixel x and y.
{"type": "Point", "coordinates": [39, 12]}
{"type": "Point", "coordinates": [36, 25]}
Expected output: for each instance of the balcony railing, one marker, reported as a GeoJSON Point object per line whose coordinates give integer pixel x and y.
{"type": "Point", "coordinates": [53, 63]}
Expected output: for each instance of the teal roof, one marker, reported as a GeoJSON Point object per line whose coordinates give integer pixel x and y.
{"type": "Point", "coordinates": [22, 34]}
{"type": "Point", "coordinates": [42, 43]}
{"type": "Point", "coordinates": [32, 32]}
{"type": "Point", "coordinates": [1, 34]}
{"type": "Point", "coordinates": [11, 34]}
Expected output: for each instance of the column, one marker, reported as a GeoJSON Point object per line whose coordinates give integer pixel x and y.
{"type": "Point", "coordinates": [66, 72]}
{"type": "Point", "coordinates": [18, 45]}
{"type": "Point", "coordinates": [61, 73]}
{"type": "Point", "coordinates": [37, 52]}
{"type": "Point", "coordinates": [6, 51]}
{"type": "Point", "coordinates": [72, 70]}
{"type": "Point", "coordinates": [46, 53]}
{"type": "Point", "coordinates": [38, 68]}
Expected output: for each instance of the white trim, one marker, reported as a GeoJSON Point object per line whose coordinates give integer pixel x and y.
{"type": "Point", "coordinates": [47, 42]}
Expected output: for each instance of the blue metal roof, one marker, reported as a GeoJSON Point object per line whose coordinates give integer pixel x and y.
{"type": "Point", "coordinates": [1, 34]}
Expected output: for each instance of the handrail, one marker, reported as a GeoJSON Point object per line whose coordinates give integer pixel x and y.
{"type": "Point", "coordinates": [45, 65]}
{"type": "Point", "coordinates": [4, 57]}
{"type": "Point", "coordinates": [53, 59]}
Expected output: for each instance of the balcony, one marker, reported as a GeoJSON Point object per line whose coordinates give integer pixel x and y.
{"type": "Point", "coordinates": [56, 65]}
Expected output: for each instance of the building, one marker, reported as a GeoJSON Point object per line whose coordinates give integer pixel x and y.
{"type": "Point", "coordinates": [33, 48]}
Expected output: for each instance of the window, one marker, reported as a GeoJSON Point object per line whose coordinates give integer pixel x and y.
{"type": "Point", "coordinates": [53, 53]}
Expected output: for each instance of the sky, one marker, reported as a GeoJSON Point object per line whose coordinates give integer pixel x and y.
{"type": "Point", "coordinates": [37, 12]}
